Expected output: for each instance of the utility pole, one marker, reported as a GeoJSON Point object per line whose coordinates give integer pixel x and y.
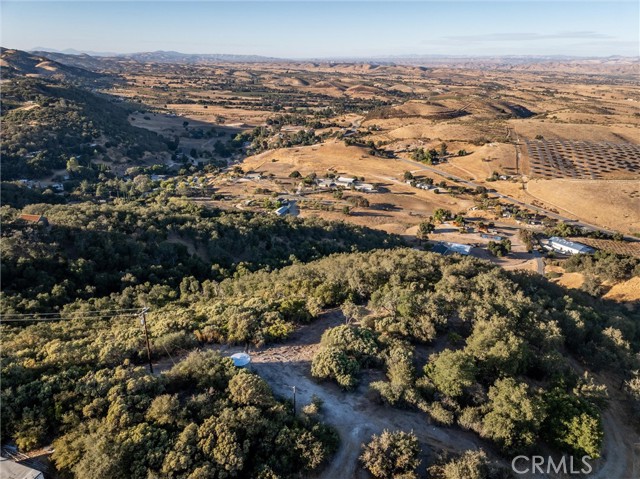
{"type": "Point", "coordinates": [294, 400]}
{"type": "Point", "coordinates": [143, 320]}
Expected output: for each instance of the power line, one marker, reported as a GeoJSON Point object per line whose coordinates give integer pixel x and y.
{"type": "Point", "coordinates": [67, 316]}
{"type": "Point", "coordinates": [99, 314]}
{"type": "Point", "coordinates": [72, 312]}
{"type": "Point", "coordinates": [143, 320]}
{"type": "Point", "coordinates": [65, 319]}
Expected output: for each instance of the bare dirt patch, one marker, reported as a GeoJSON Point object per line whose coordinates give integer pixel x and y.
{"type": "Point", "coordinates": [354, 414]}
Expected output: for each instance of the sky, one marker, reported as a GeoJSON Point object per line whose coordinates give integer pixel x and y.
{"type": "Point", "coordinates": [325, 29]}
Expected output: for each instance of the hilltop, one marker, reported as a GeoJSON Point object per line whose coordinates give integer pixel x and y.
{"type": "Point", "coordinates": [16, 63]}
{"type": "Point", "coordinates": [46, 123]}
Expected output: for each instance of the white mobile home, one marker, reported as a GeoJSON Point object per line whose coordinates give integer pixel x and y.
{"type": "Point", "coordinates": [564, 246]}
{"type": "Point", "coordinates": [345, 181]}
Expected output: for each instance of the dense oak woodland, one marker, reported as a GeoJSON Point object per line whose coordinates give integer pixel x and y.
{"type": "Point", "coordinates": [505, 372]}
{"type": "Point", "coordinates": [62, 121]}
{"type": "Point", "coordinates": [505, 369]}
{"type": "Point", "coordinates": [203, 418]}
{"type": "Point", "coordinates": [132, 255]}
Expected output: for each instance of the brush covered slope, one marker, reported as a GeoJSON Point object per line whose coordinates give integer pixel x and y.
{"type": "Point", "coordinates": [514, 361]}
{"type": "Point", "coordinates": [46, 124]}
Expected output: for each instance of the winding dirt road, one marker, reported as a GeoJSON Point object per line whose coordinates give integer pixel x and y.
{"type": "Point", "coordinates": [356, 416]}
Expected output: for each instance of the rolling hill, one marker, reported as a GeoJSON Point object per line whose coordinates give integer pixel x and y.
{"type": "Point", "coordinates": [16, 63]}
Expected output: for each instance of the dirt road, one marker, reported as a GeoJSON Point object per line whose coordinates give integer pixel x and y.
{"type": "Point", "coordinates": [356, 416]}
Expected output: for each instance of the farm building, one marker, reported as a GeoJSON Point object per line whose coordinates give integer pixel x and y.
{"type": "Point", "coordinates": [325, 183]}
{"type": "Point", "coordinates": [446, 248]}
{"type": "Point", "coordinates": [564, 246]}
{"type": "Point", "coordinates": [283, 210]}
{"type": "Point", "coordinates": [12, 470]}
{"type": "Point", "coordinates": [366, 187]}
{"type": "Point", "coordinates": [289, 208]}
{"type": "Point", "coordinates": [345, 181]}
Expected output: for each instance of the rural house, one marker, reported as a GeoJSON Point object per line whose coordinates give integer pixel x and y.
{"type": "Point", "coordinates": [564, 246]}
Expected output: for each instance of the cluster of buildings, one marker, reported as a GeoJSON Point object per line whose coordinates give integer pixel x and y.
{"type": "Point", "coordinates": [556, 244]}
{"type": "Point", "coordinates": [59, 187]}
{"type": "Point", "coordinates": [426, 186]}
{"type": "Point", "coordinates": [422, 186]}
{"type": "Point", "coordinates": [345, 182]}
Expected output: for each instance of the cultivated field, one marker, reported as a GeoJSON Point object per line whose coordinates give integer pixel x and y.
{"type": "Point", "coordinates": [582, 160]}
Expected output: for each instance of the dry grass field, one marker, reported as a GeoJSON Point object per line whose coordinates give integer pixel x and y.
{"type": "Point", "coordinates": [395, 207]}
{"type": "Point", "coordinates": [627, 291]}
{"type": "Point", "coordinates": [624, 291]}
{"type": "Point", "coordinates": [614, 204]}
{"type": "Point", "coordinates": [580, 127]}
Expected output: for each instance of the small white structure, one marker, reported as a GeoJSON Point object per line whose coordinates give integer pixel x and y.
{"type": "Point", "coordinates": [366, 187]}
{"type": "Point", "coordinates": [13, 470]}
{"type": "Point", "coordinates": [283, 210]}
{"type": "Point", "coordinates": [326, 183]}
{"type": "Point", "coordinates": [240, 360]}
{"type": "Point", "coordinates": [564, 246]}
{"type": "Point", "coordinates": [446, 248]}
{"type": "Point", "coordinates": [463, 249]}
{"type": "Point", "coordinates": [492, 237]}
{"type": "Point", "coordinates": [345, 181]}
{"type": "Point", "coordinates": [290, 208]}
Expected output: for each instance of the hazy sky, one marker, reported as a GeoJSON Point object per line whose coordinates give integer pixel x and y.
{"type": "Point", "coordinates": [298, 29]}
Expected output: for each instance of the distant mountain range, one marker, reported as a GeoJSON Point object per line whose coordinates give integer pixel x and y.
{"type": "Point", "coordinates": [73, 51]}
{"type": "Point", "coordinates": [174, 56]}
{"type": "Point", "coordinates": [177, 57]}
{"type": "Point", "coordinates": [113, 63]}
{"type": "Point", "coordinates": [161, 56]}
